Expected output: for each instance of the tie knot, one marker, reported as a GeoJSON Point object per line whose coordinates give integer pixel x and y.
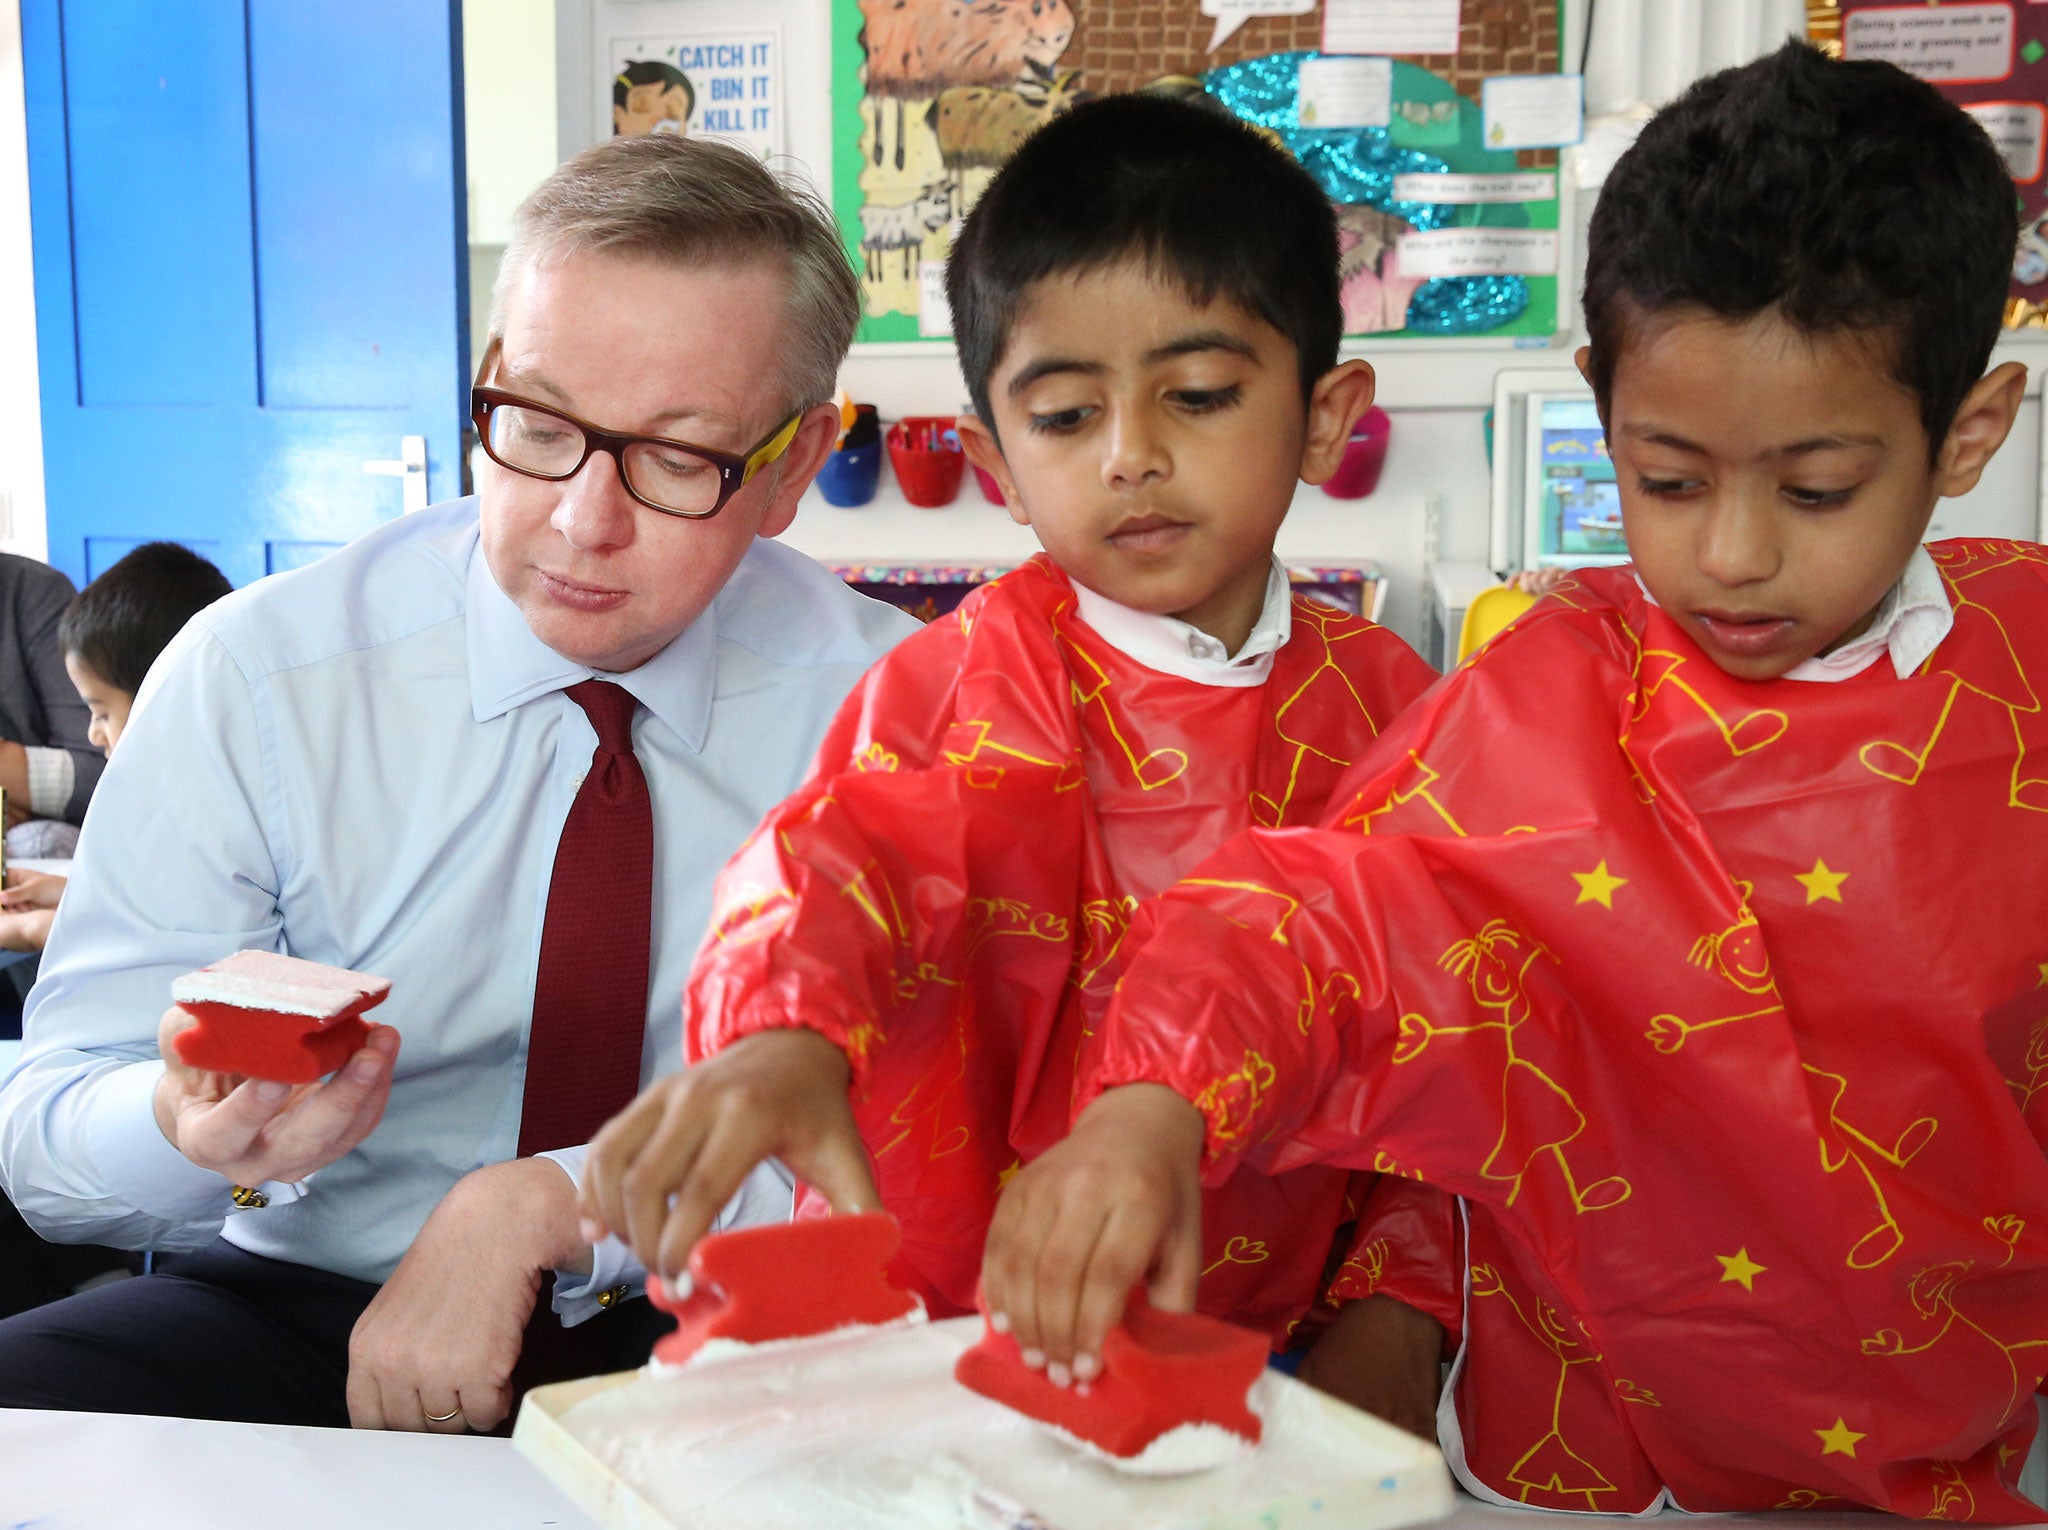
{"type": "Point", "coordinates": [610, 708]}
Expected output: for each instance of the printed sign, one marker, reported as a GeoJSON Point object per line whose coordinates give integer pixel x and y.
{"type": "Point", "coordinates": [1345, 92]}
{"type": "Point", "coordinates": [1527, 186]}
{"type": "Point", "coordinates": [1532, 111]}
{"type": "Point", "coordinates": [1947, 44]}
{"type": "Point", "coordinates": [1401, 27]}
{"type": "Point", "coordinates": [2016, 127]}
{"type": "Point", "coordinates": [714, 85]}
{"type": "Point", "coordinates": [1479, 252]}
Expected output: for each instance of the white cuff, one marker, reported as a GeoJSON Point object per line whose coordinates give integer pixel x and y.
{"type": "Point", "coordinates": [614, 1273]}
{"type": "Point", "coordinates": [129, 1149]}
{"type": "Point", "coordinates": [51, 775]}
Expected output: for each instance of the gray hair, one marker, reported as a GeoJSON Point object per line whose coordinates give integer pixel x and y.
{"type": "Point", "coordinates": [698, 202]}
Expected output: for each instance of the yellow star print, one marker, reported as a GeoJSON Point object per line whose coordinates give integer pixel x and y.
{"type": "Point", "coordinates": [1821, 883]}
{"type": "Point", "coordinates": [1004, 1176]}
{"type": "Point", "coordinates": [2044, 974]}
{"type": "Point", "coordinates": [1740, 1268]}
{"type": "Point", "coordinates": [1597, 886]}
{"type": "Point", "coordinates": [1839, 1441]}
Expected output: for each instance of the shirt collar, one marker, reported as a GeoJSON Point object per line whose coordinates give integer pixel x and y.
{"type": "Point", "coordinates": [1911, 622]}
{"type": "Point", "coordinates": [1173, 647]}
{"type": "Point", "coordinates": [509, 666]}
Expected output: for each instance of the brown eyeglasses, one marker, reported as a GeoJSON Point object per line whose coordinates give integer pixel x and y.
{"type": "Point", "coordinates": [674, 477]}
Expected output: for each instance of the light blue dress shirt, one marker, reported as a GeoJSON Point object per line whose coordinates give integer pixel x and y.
{"type": "Point", "coordinates": [368, 762]}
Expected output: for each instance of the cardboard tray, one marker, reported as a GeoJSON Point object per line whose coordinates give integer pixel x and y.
{"type": "Point", "coordinates": [1342, 1468]}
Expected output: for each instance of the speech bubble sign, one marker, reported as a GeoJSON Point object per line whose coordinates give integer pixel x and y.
{"type": "Point", "coordinates": [1232, 14]}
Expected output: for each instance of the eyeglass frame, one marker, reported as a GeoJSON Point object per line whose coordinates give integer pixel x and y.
{"type": "Point", "coordinates": [735, 470]}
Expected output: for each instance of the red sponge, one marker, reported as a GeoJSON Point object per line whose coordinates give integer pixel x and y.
{"type": "Point", "coordinates": [267, 1016]}
{"type": "Point", "coordinates": [1160, 1370]}
{"type": "Point", "coordinates": [786, 1282]}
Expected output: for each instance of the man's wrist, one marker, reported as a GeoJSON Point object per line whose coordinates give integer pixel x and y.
{"type": "Point", "coordinates": [534, 1196]}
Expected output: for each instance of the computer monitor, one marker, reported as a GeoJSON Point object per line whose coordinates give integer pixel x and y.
{"type": "Point", "coordinates": [1555, 503]}
{"type": "Point", "coordinates": [1571, 507]}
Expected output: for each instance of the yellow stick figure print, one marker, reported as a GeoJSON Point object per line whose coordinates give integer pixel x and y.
{"type": "Point", "coordinates": [1091, 687]}
{"type": "Point", "coordinates": [1658, 670]}
{"type": "Point", "coordinates": [1933, 1292]}
{"type": "Point", "coordinates": [1738, 954]}
{"type": "Point", "coordinates": [2002, 681]}
{"type": "Point", "coordinates": [1313, 619]}
{"type": "Point", "coordinates": [1842, 1144]}
{"type": "Point", "coordinates": [1539, 1117]}
{"type": "Point", "coordinates": [1550, 1465]}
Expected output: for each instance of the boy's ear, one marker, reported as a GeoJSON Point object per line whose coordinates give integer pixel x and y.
{"type": "Point", "coordinates": [1582, 358]}
{"type": "Point", "coordinates": [1980, 428]}
{"type": "Point", "coordinates": [1339, 397]}
{"type": "Point", "coordinates": [979, 442]}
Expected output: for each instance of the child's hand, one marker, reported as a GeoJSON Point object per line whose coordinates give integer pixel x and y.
{"type": "Point", "coordinates": [30, 889]}
{"type": "Point", "coordinates": [25, 930]}
{"type": "Point", "coordinates": [1384, 1356]}
{"type": "Point", "coordinates": [1119, 1201]}
{"type": "Point", "coordinates": [660, 1170]}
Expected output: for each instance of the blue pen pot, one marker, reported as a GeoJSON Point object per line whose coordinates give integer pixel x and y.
{"type": "Point", "coordinates": [850, 474]}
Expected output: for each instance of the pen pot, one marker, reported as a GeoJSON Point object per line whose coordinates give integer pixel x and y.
{"type": "Point", "coordinates": [925, 452]}
{"type": "Point", "coordinates": [1364, 455]}
{"type": "Point", "coordinates": [854, 467]}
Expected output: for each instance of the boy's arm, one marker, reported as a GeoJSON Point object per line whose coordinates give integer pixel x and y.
{"type": "Point", "coordinates": [933, 824]}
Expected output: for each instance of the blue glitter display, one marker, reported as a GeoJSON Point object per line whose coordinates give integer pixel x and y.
{"type": "Point", "coordinates": [1357, 166]}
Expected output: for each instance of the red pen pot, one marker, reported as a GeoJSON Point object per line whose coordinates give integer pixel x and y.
{"type": "Point", "coordinates": [925, 452]}
{"type": "Point", "coordinates": [1364, 455]}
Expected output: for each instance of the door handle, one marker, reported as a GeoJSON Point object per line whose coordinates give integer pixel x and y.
{"type": "Point", "coordinates": [411, 466]}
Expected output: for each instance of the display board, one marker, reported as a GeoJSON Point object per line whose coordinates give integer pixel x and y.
{"type": "Point", "coordinates": [1992, 60]}
{"type": "Point", "coordinates": [1442, 165]}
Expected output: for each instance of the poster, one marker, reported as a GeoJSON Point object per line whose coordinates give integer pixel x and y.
{"type": "Point", "coordinates": [931, 96]}
{"type": "Point", "coordinates": [1992, 60]}
{"type": "Point", "coordinates": [711, 84]}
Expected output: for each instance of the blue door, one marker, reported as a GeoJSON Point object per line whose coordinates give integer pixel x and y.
{"type": "Point", "coordinates": [249, 261]}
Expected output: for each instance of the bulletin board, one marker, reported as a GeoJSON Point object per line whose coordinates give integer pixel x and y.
{"type": "Point", "coordinates": [1992, 60]}
{"type": "Point", "coordinates": [1447, 213]}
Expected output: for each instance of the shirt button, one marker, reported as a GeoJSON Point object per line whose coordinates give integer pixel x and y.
{"type": "Point", "coordinates": [612, 1297]}
{"type": "Point", "coordinates": [576, 780]}
{"type": "Point", "coordinates": [247, 1199]}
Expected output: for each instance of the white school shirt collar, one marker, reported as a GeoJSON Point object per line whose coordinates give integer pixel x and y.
{"type": "Point", "coordinates": [1172, 647]}
{"type": "Point", "coordinates": [1911, 622]}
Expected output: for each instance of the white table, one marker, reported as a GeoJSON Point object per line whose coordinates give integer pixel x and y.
{"type": "Point", "coordinates": [101, 1471]}
{"type": "Point", "coordinates": [104, 1471]}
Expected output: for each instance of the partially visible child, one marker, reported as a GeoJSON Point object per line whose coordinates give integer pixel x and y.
{"type": "Point", "coordinates": [111, 633]}
{"type": "Point", "coordinates": [1146, 304]}
{"type": "Point", "coordinates": [1697, 930]}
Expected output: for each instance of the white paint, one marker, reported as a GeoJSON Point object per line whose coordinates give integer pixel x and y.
{"type": "Point", "coordinates": [21, 407]}
{"type": "Point", "coordinates": [269, 980]}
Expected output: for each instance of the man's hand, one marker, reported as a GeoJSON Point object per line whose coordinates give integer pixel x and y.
{"type": "Point", "coordinates": [251, 1130]}
{"type": "Point", "coordinates": [660, 1170]}
{"type": "Point", "coordinates": [443, 1334]}
{"type": "Point", "coordinates": [1119, 1201]}
{"type": "Point", "coordinates": [1384, 1356]}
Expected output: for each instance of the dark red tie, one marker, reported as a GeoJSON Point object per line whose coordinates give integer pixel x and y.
{"type": "Point", "coordinates": [590, 997]}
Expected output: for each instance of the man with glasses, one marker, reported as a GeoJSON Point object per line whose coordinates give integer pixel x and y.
{"type": "Point", "coordinates": [495, 752]}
